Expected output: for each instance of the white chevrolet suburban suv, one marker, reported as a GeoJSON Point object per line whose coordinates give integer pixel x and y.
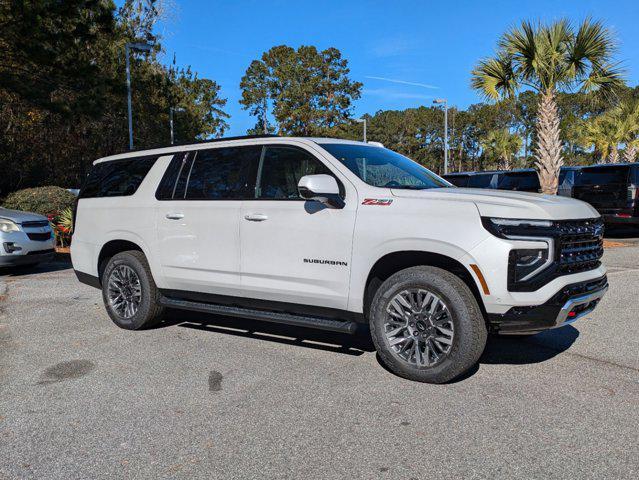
{"type": "Point", "coordinates": [328, 233]}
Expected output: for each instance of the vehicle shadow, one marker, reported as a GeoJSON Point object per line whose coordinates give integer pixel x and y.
{"type": "Point", "coordinates": [512, 350]}
{"type": "Point", "coordinates": [356, 344]}
{"type": "Point", "coordinates": [60, 262]}
{"type": "Point", "coordinates": [519, 350]}
{"type": "Point", "coordinates": [538, 348]}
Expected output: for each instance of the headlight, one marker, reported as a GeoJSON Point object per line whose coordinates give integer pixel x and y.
{"type": "Point", "coordinates": [509, 227]}
{"type": "Point", "coordinates": [8, 226]}
{"type": "Point", "coordinates": [524, 263]}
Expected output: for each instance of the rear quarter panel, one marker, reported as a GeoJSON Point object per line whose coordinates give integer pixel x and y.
{"type": "Point", "coordinates": [131, 218]}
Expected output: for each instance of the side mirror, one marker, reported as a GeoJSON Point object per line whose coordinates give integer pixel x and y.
{"type": "Point", "coordinates": [321, 188]}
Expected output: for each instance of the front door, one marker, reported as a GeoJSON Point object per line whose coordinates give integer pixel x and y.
{"type": "Point", "coordinates": [293, 250]}
{"type": "Point", "coordinates": [198, 220]}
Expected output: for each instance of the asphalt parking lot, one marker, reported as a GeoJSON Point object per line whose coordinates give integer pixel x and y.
{"type": "Point", "coordinates": [210, 397]}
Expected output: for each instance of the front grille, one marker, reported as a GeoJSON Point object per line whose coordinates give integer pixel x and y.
{"type": "Point", "coordinates": [580, 246]}
{"type": "Point", "coordinates": [37, 223]}
{"type": "Point", "coordinates": [39, 237]}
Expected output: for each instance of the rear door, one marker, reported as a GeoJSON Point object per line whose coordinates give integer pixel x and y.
{"type": "Point", "coordinates": [293, 250]}
{"type": "Point", "coordinates": [604, 187]}
{"type": "Point", "coordinates": [198, 218]}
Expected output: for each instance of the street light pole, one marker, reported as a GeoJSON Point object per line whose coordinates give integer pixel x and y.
{"type": "Point", "coordinates": [140, 47]}
{"type": "Point", "coordinates": [172, 110]}
{"type": "Point", "coordinates": [362, 120]}
{"type": "Point", "coordinates": [445, 103]}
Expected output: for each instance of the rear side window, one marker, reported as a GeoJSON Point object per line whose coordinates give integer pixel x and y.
{"type": "Point", "coordinates": [520, 181]}
{"type": "Point", "coordinates": [603, 175]}
{"type": "Point", "coordinates": [458, 180]}
{"type": "Point", "coordinates": [117, 178]}
{"type": "Point", "coordinates": [281, 170]}
{"type": "Point", "coordinates": [223, 173]}
{"type": "Point", "coordinates": [167, 187]}
{"type": "Point", "coordinates": [481, 181]}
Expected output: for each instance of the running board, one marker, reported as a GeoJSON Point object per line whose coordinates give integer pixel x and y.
{"type": "Point", "coordinates": [321, 323]}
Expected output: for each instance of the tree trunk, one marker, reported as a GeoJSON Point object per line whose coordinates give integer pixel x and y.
{"type": "Point", "coordinates": [613, 156]}
{"type": "Point", "coordinates": [505, 162]}
{"type": "Point", "coordinates": [630, 154]}
{"type": "Point", "coordinates": [548, 159]}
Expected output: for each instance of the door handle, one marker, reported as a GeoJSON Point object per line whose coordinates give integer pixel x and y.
{"type": "Point", "coordinates": [256, 217]}
{"type": "Point", "coordinates": [175, 216]}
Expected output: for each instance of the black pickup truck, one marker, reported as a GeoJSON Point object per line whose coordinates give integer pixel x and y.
{"type": "Point", "coordinates": [612, 189]}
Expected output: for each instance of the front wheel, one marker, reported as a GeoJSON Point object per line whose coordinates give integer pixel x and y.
{"type": "Point", "coordinates": [426, 325]}
{"type": "Point", "coordinates": [129, 291]}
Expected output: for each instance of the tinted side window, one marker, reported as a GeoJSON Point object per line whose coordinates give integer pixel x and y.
{"type": "Point", "coordinates": [481, 181]}
{"type": "Point", "coordinates": [117, 178]}
{"type": "Point", "coordinates": [168, 184]}
{"type": "Point", "coordinates": [519, 181]}
{"type": "Point", "coordinates": [457, 180]}
{"type": "Point", "coordinates": [223, 173]}
{"type": "Point", "coordinates": [603, 175]}
{"type": "Point", "coordinates": [282, 169]}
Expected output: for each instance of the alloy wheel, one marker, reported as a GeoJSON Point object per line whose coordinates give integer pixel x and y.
{"type": "Point", "coordinates": [418, 327]}
{"type": "Point", "coordinates": [124, 291]}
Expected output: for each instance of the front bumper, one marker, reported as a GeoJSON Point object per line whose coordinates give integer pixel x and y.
{"type": "Point", "coordinates": [570, 303]}
{"type": "Point", "coordinates": [37, 256]}
{"type": "Point", "coordinates": [16, 248]}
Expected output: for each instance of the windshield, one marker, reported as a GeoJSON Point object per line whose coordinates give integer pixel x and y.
{"type": "Point", "coordinates": [381, 167]}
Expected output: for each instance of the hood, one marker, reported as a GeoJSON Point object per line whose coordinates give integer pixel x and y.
{"type": "Point", "coordinates": [508, 204]}
{"type": "Point", "coordinates": [18, 217]}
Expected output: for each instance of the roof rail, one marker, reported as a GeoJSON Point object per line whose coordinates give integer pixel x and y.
{"type": "Point", "coordinates": [211, 140]}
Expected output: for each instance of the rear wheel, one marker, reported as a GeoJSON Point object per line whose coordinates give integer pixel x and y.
{"type": "Point", "coordinates": [426, 325]}
{"type": "Point", "coordinates": [129, 291]}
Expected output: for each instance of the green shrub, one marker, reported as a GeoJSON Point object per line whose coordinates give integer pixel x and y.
{"type": "Point", "coordinates": [42, 200]}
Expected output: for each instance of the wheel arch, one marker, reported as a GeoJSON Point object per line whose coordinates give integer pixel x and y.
{"type": "Point", "coordinates": [393, 262]}
{"type": "Point", "coordinates": [112, 248]}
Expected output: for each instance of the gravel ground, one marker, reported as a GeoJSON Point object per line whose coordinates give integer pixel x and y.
{"type": "Point", "coordinates": [209, 397]}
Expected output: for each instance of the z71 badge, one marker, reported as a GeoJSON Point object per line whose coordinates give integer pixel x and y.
{"type": "Point", "coordinates": [384, 202]}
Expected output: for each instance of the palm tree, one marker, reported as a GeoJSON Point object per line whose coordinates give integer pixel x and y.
{"type": "Point", "coordinates": [549, 58]}
{"type": "Point", "coordinates": [628, 115]}
{"type": "Point", "coordinates": [603, 133]}
{"type": "Point", "coordinates": [501, 144]}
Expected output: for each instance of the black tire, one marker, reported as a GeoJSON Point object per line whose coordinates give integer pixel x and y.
{"type": "Point", "coordinates": [149, 311]}
{"type": "Point", "coordinates": [470, 334]}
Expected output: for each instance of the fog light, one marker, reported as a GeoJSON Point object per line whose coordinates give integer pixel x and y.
{"type": "Point", "coordinates": [11, 247]}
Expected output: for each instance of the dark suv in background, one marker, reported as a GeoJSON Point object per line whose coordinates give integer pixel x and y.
{"type": "Point", "coordinates": [612, 190]}
{"type": "Point", "coordinates": [524, 180]}
{"type": "Point", "coordinates": [473, 179]}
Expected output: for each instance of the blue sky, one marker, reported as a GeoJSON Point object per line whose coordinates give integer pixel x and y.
{"type": "Point", "coordinates": [430, 45]}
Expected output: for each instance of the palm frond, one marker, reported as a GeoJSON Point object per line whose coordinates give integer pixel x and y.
{"type": "Point", "coordinates": [593, 43]}
{"type": "Point", "coordinates": [521, 44]}
{"type": "Point", "coordinates": [495, 78]}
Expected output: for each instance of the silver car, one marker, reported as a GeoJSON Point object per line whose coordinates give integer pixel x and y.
{"type": "Point", "coordinates": [25, 238]}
